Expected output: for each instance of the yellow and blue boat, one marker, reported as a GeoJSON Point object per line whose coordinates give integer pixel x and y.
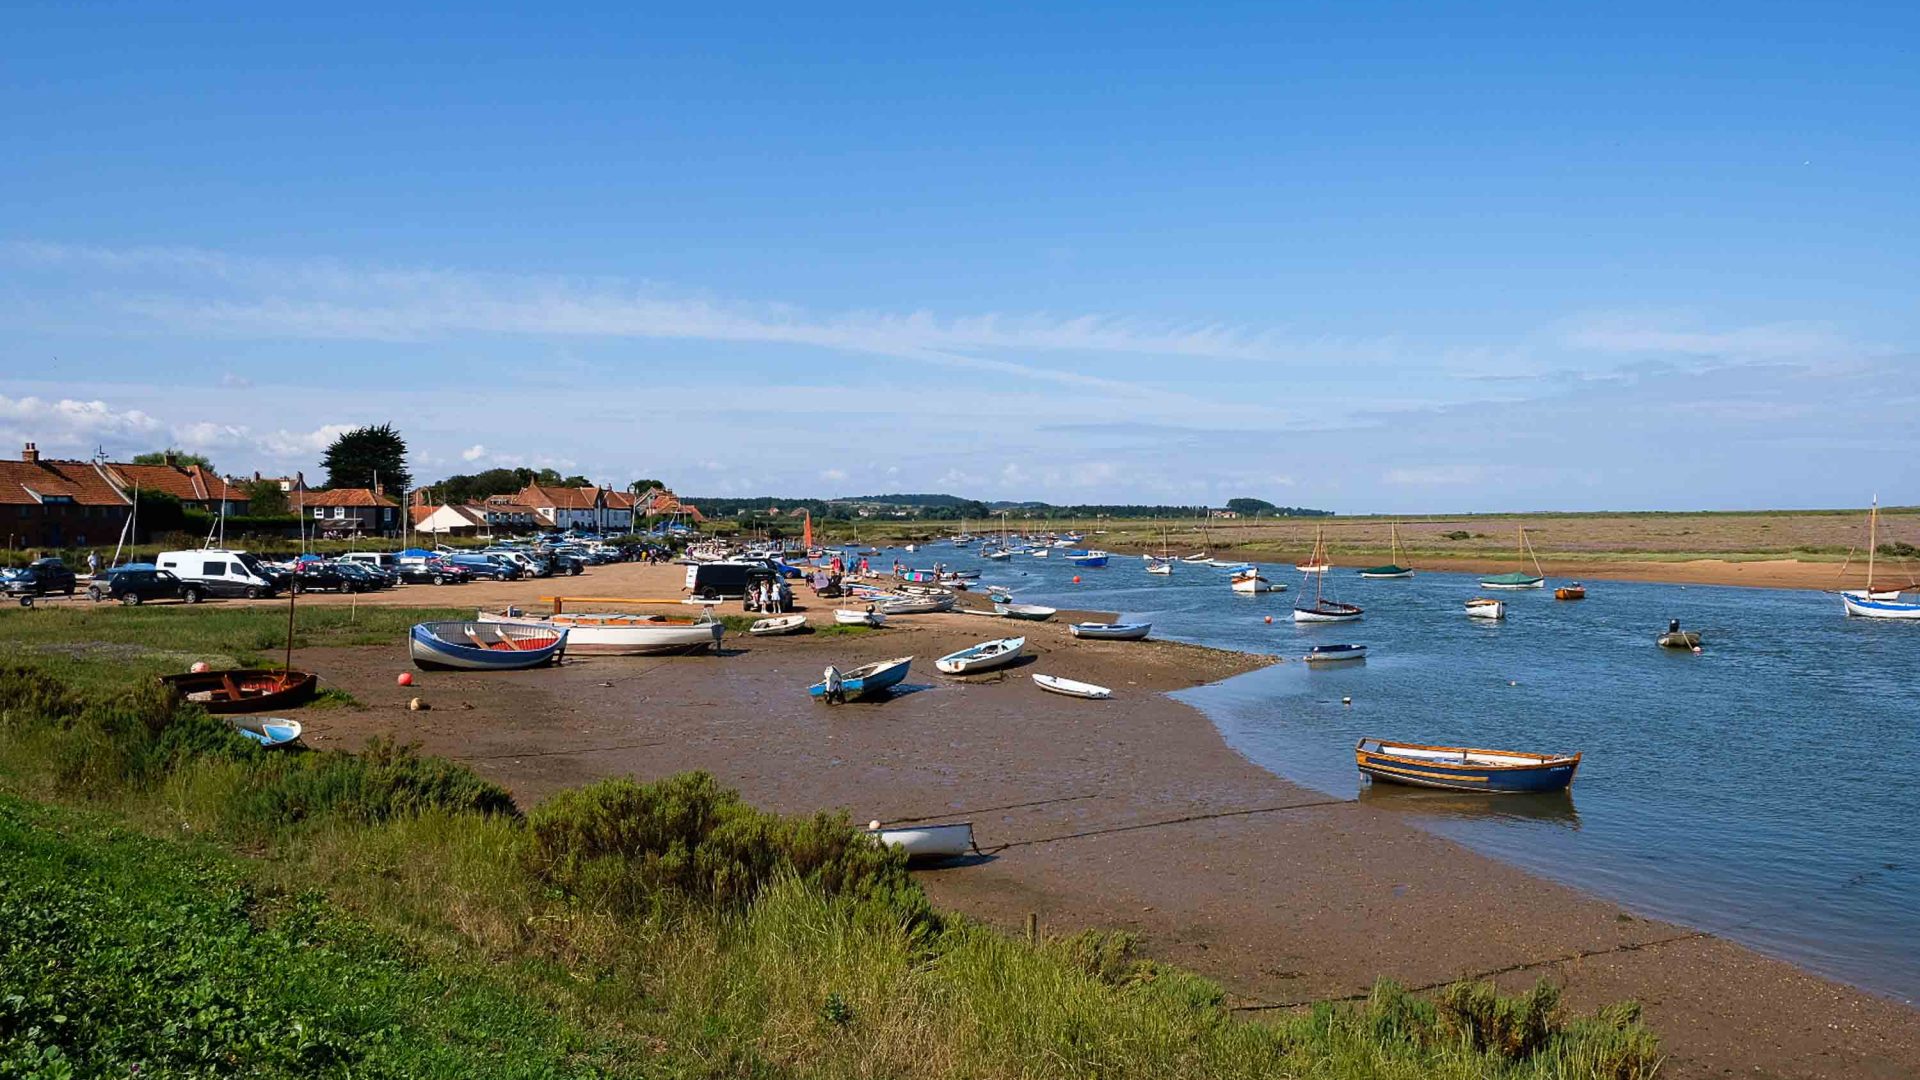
{"type": "Point", "coordinates": [1462, 768]}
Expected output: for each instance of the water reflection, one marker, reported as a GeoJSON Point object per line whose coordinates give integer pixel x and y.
{"type": "Point", "coordinates": [1552, 808]}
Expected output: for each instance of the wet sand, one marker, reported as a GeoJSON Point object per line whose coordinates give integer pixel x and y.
{"type": "Point", "coordinates": [1129, 814]}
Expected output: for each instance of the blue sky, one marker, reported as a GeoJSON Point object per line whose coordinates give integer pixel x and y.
{"type": "Point", "coordinates": [1394, 258]}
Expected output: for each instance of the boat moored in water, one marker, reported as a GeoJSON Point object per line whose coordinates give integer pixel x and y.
{"type": "Point", "coordinates": [1328, 654]}
{"type": "Point", "coordinates": [1575, 591]}
{"type": "Point", "coordinates": [1461, 768]}
{"type": "Point", "coordinates": [1486, 607]}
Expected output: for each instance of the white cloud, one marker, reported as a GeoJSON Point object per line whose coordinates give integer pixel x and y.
{"type": "Point", "coordinates": [474, 452]}
{"type": "Point", "coordinates": [298, 443]}
{"type": "Point", "coordinates": [1623, 333]}
{"type": "Point", "coordinates": [1437, 475]}
{"type": "Point", "coordinates": [66, 423]}
{"type": "Point", "coordinates": [833, 476]}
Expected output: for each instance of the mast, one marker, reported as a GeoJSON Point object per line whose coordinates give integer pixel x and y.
{"type": "Point", "coordinates": [1873, 527]}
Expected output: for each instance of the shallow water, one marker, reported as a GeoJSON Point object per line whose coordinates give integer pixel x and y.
{"type": "Point", "coordinates": [1759, 790]}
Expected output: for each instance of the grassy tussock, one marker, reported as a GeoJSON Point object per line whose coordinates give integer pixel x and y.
{"type": "Point", "coordinates": [708, 938]}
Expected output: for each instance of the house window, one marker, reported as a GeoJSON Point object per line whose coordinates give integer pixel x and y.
{"type": "Point", "coordinates": [319, 511]}
{"type": "Point", "coordinates": [339, 512]}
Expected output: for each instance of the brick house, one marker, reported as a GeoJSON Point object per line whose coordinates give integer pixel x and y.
{"type": "Point", "coordinates": [597, 508]}
{"type": "Point", "coordinates": [46, 503]}
{"type": "Point", "coordinates": [344, 512]}
{"type": "Point", "coordinates": [197, 488]}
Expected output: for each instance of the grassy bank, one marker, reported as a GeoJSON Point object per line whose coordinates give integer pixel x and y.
{"type": "Point", "coordinates": [664, 929]}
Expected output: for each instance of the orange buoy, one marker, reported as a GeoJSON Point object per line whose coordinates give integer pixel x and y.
{"type": "Point", "coordinates": [1076, 579]}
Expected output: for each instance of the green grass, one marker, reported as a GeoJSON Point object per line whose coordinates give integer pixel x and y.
{"type": "Point", "coordinates": [414, 921]}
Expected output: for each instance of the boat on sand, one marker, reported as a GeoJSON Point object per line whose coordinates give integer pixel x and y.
{"type": "Point", "coordinates": [1110, 631]}
{"type": "Point", "coordinates": [272, 732]}
{"type": "Point", "coordinates": [621, 633]}
{"type": "Point", "coordinates": [865, 681]}
{"type": "Point", "coordinates": [946, 841]}
{"type": "Point", "coordinates": [779, 624]}
{"type": "Point", "coordinates": [986, 656]}
{"type": "Point", "coordinates": [245, 690]}
{"type": "Point", "coordinates": [484, 646]}
{"type": "Point", "coordinates": [1053, 684]}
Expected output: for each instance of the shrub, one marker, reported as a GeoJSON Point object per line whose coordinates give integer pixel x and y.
{"type": "Point", "coordinates": [384, 781]}
{"type": "Point", "coordinates": [1511, 1027]}
{"type": "Point", "coordinates": [628, 846]}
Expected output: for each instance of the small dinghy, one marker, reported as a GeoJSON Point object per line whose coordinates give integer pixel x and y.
{"type": "Point", "coordinates": [1484, 607]}
{"type": "Point", "coordinates": [1110, 631]}
{"type": "Point", "coordinates": [1327, 611]}
{"type": "Point", "coordinates": [985, 656]}
{"type": "Point", "coordinates": [621, 633]}
{"type": "Point", "coordinates": [1040, 553]}
{"type": "Point", "coordinates": [1460, 768]}
{"type": "Point", "coordinates": [483, 646]}
{"type": "Point", "coordinates": [1249, 582]}
{"type": "Point", "coordinates": [271, 732]}
{"type": "Point", "coordinates": [1676, 638]}
{"type": "Point", "coordinates": [1030, 612]}
{"type": "Point", "coordinates": [918, 605]}
{"type": "Point", "coordinates": [779, 624]}
{"type": "Point", "coordinates": [948, 841]}
{"type": "Point", "coordinates": [1053, 684]}
{"type": "Point", "coordinates": [1575, 591]}
{"type": "Point", "coordinates": [1162, 567]}
{"type": "Point", "coordinates": [865, 681]}
{"type": "Point", "coordinates": [872, 618]}
{"type": "Point", "coordinates": [1088, 558]}
{"type": "Point", "coordinates": [244, 690]}
{"type": "Point", "coordinates": [1328, 654]}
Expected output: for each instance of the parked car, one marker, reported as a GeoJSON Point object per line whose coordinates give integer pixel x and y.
{"type": "Point", "coordinates": [314, 575]}
{"type": "Point", "coordinates": [360, 577]}
{"type": "Point", "coordinates": [136, 583]}
{"type": "Point", "coordinates": [434, 572]}
{"type": "Point", "coordinates": [486, 566]}
{"type": "Point", "coordinates": [40, 577]}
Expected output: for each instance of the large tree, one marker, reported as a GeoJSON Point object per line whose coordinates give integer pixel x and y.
{"type": "Point", "coordinates": [360, 456]}
{"type": "Point", "coordinates": [177, 457]}
{"type": "Point", "coordinates": [265, 499]}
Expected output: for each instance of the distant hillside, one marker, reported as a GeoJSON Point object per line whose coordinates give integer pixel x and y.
{"type": "Point", "coordinates": [940, 507]}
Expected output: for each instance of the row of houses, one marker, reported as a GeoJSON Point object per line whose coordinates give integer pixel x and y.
{"type": "Point", "coordinates": [46, 502]}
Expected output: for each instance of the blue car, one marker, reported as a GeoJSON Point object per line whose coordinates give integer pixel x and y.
{"type": "Point", "coordinates": [486, 566]}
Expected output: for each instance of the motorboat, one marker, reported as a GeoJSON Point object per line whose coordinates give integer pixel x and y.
{"type": "Point", "coordinates": [865, 681]}
{"type": "Point", "coordinates": [1249, 582]}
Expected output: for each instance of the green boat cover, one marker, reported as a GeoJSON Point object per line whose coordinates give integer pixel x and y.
{"type": "Point", "coordinates": [1390, 568]}
{"type": "Point", "coordinates": [1512, 579]}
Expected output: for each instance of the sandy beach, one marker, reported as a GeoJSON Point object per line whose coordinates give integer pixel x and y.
{"type": "Point", "coordinates": [1130, 814]}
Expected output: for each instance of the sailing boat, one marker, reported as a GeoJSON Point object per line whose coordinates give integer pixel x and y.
{"type": "Point", "coordinates": [1866, 603]}
{"type": "Point", "coordinates": [1392, 569]}
{"type": "Point", "coordinates": [1519, 579]}
{"type": "Point", "coordinates": [1164, 563]}
{"type": "Point", "coordinates": [1323, 608]}
{"type": "Point", "coordinates": [1317, 562]}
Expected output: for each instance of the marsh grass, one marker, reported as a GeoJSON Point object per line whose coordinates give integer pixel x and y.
{"type": "Point", "coordinates": [672, 922]}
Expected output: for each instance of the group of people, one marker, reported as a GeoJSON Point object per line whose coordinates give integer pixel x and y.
{"type": "Point", "coordinates": [768, 596]}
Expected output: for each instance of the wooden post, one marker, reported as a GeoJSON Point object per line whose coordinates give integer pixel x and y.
{"type": "Point", "coordinates": [1033, 928]}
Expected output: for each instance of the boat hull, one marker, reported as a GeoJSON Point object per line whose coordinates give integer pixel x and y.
{"type": "Point", "coordinates": [929, 841]}
{"type": "Point", "coordinates": [1335, 654]}
{"type": "Point", "coordinates": [1110, 631]}
{"type": "Point", "coordinates": [1453, 768]}
{"type": "Point", "coordinates": [1053, 684]}
{"type": "Point", "coordinates": [867, 681]}
{"type": "Point", "coordinates": [489, 646]}
{"type": "Point", "coordinates": [1325, 615]}
{"type": "Point", "coordinates": [1383, 572]}
{"type": "Point", "coordinates": [1492, 609]}
{"type": "Point", "coordinates": [1512, 583]}
{"type": "Point", "coordinates": [986, 656]}
{"type": "Point", "coordinates": [1859, 606]}
{"type": "Point", "coordinates": [1029, 612]}
{"type": "Point", "coordinates": [622, 636]}
{"type": "Point", "coordinates": [859, 618]}
{"type": "Point", "coordinates": [784, 624]}
{"type": "Point", "coordinates": [245, 690]}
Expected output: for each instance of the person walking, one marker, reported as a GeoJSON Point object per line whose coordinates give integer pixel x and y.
{"type": "Point", "coordinates": [93, 564]}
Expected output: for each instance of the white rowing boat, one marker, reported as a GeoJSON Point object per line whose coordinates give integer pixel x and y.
{"type": "Point", "coordinates": [1030, 612]}
{"type": "Point", "coordinates": [619, 633]}
{"type": "Point", "coordinates": [985, 656]}
{"type": "Point", "coordinates": [1485, 607]}
{"type": "Point", "coordinates": [949, 841]}
{"type": "Point", "coordinates": [846, 617]}
{"type": "Point", "coordinates": [1110, 631]}
{"type": "Point", "coordinates": [1055, 685]}
{"type": "Point", "coordinates": [779, 624]}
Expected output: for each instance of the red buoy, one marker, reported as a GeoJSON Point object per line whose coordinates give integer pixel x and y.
{"type": "Point", "coordinates": [406, 678]}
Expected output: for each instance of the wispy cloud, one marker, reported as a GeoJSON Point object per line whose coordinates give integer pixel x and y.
{"type": "Point", "coordinates": [1627, 333]}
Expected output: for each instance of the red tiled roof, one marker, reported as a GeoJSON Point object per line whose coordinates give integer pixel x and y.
{"type": "Point", "coordinates": [344, 497]}
{"type": "Point", "coordinates": [572, 498]}
{"type": "Point", "coordinates": [188, 483]}
{"type": "Point", "coordinates": [22, 481]}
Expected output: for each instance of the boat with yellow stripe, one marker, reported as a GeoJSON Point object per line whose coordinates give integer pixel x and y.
{"type": "Point", "coordinates": [1462, 768]}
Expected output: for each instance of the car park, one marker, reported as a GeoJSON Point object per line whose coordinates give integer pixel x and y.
{"type": "Point", "coordinates": [222, 572]}
{"type": "Point", "coordinates": [486, 566]}
{"type": "Point", "coordinates": [41, 577]}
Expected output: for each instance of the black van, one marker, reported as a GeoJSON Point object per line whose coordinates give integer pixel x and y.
{"type": "Point", "coordinates": [725, 580]}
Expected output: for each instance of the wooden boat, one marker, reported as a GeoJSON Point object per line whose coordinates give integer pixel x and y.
{"type": "Point", "coordinates": [1871, 603]}
{"type": "Point", "coordinates": [1324, 608]}
{"type": "Point", "coordinates": [1392, 569]}
{"type": "Point", "coordinates": [985, 656]}
{"type": "Point", "coordinates": [1110, 631]}
{"type": "Point", "coordinates": [482, 646]}
{"type": "Point", "coordinates": [1679, 639]}
{"type": "Point", "coordinates": [870, 617]}
{"type": "Point", "coordinates": [1575, 591]}
{"type": "Point", "coordinates": [620, 633]}
{"type": "Point", "coordinates": [779, 624]}
{"type": "Point", "coordinates": [1328, 654]}
{"type": "Point", "coordinates": [1029, 612]}
{"type": "Point", "coordinates": [271, 732]}
{"type": "Point", "coordinates": [1519, 579]}
{"type": "Point", "coordinates": [1486, 607]}
{"type": "Point", "coordinates": [1460, 768]}
{"type": "Point", "coordinates": [949, 841]}
{"type": "Point", "coordinates": [1088, 558]}
{"type": "Point", "coordinates": [1249, 582]}
{"type": "Point", "coordinates": [1053, 684]}
{"type": "Point", "coordinates": [245, 690]}
{"type": "Point", "coordinates": [865, 681]}
{"type": "Point", "coordinates": [1159, 566]}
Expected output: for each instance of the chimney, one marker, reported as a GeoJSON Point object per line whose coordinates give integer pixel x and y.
{"type": "Point", "coordinates": [167, 457]}
{"type": "Point", "coordinates": [30, 454]}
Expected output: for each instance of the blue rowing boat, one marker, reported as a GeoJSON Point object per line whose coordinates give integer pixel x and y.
{"type": "Point", "coordinates": [1088, 558]}
{"type": "Point", "coordinates": [1460, 768]}
{"type": "Point", "coordinates": [484, 646]}
{"type": "Point", "coordinates": [868, 680]}
{"type": "Point", "coordinates": [271, 732]}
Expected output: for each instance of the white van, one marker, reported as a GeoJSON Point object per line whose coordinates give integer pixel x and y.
{"type": "Point", "coordinates": [220, 571]}
{"type": "Point", "coordinates": [385, 560]}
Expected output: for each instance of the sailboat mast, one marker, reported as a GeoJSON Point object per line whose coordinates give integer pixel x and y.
{"type": "Point", "coordinates": [1873, 535]}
